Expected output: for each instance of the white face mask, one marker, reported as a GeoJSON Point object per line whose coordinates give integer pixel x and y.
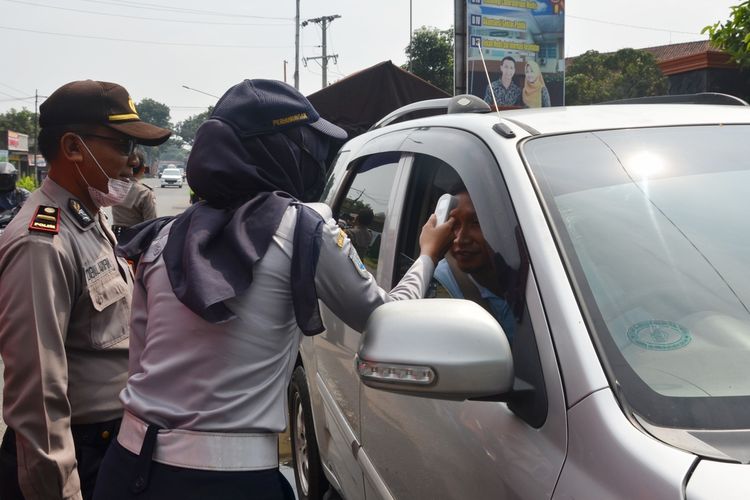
{"type": "Point", "coordinates": [117, 189]}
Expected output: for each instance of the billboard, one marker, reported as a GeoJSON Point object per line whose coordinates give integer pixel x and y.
{"type": "Point", "coordinates": [522, 42]}
{"type": "Point", "coordinates": [17, 141]}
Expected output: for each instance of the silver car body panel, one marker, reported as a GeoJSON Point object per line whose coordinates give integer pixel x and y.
{"type": "Point", "coordinates": [337, 422]}
{"type": "Point", "coordinates": [712, 480]}
{"type": "Point", "coordinates": [342, 443]}
{"type": "Point", "coordinates": [577, 357]}
{"type": "Point", "coordinates": [608, 457]}
{"type": "Point", "coordinates": [409, 438]}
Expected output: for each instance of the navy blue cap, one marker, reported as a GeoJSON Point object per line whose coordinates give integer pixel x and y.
{"type": "Point", "coordinates": [256, 107]}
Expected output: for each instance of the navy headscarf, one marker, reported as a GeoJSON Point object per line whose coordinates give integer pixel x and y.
{"type": "Point", "coordinates": [246, 186]}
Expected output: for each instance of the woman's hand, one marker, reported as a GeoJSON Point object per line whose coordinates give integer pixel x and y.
{"type": "Point", "coordinates": [434, 240]}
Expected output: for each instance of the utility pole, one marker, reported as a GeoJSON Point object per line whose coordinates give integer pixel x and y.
{"type": "Point", "coordinates": [285, 70]}
{"type": "Point", "coordinates": [411, 35]}
{"type": "Point", "coordinates": [296, 49]}
{"type": "Point", "coordinates": [459, 47]}
{"type": "Point", "coordinates": [323, 21]}
{"type": "Point", "coordinates": [36, 131]}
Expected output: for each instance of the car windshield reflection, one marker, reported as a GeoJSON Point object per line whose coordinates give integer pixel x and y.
{"type": "Point", "coordinates": [653, 223]}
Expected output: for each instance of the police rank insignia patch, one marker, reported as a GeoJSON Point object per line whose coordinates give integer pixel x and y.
{"type": "Point", "coordinates": [79, 212]}
{"type": "Point", "coordinates": [46, 220]}
{"type": "Point", "coordinates": [341, 238]}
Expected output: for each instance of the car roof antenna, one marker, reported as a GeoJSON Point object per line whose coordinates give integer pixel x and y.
{"type": "Point", "coordinates": [487, 74]}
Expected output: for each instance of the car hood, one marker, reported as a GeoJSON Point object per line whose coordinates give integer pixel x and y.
{"type": "Point", "coordinates": [713, 479]}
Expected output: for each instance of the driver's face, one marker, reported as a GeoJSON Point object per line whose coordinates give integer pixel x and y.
{"type": "Point", "coordinates": [469, 247]}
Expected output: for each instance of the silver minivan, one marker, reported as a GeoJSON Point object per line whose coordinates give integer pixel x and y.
{"type": "Point", "coordinates": [619, 238]}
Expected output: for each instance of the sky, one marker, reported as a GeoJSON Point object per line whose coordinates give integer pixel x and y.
{"type": "Point", "coordinates": [155, 47]}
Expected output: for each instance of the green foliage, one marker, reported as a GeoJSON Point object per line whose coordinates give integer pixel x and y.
{"type": "Point", "coordinates": [27, 182]}
{"type": "Point", "coordinates": [431, 54]}
{"type": "Point", "coordinates": [158, 114]}
{"type": "Point", "coordinates": [18, 121]}
{"type": "Point", "coordinates": [187, 128]}
{"type": "Point", "coordinates": [173, 150]}
{"type": "Point", "coordinates": [595, 77]}
{"type": "Point", "coordinates": [733, 36]}
{"type": "Point", "coordinates": [154, 112]}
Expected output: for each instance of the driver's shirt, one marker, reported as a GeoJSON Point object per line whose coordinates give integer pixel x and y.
{"type": "Point", "coordinates": [64, 324]}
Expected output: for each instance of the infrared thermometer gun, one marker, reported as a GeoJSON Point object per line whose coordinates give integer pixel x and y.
{"type": "Point", "coordinates": [445, 204]}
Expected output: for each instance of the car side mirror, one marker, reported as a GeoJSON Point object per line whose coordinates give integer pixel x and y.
{"type": "Point", "coordinates": [440, 348]}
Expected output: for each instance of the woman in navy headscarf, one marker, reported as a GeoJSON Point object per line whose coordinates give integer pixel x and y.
{"type": "Point", "coordinates": [224, 293]}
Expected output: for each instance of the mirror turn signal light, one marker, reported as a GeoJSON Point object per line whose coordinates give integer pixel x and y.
{"type": "Point", "coordinates": [394, 373]}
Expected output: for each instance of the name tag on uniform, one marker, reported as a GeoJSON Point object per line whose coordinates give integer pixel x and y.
{"type": "Point", "coordinates": [46, 220]}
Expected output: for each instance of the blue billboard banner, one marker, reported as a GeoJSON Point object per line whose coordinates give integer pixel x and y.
{"type": "Point", "coordinates": [522, 42]}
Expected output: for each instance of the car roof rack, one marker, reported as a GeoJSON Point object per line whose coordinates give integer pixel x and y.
{"type": "Point", "coordinates": [463, 103]}
{"type": "Point", "coordinates": [700, 98]}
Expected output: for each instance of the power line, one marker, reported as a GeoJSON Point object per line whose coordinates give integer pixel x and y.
{"type": "Point", "coordinates": [15, 98]}
{"type": "Point", "coordinates": [14, 89]}
{"type": "Point", "coordinates": [165, 8]}
{"type": "Point", "coordinates": [630, 25]}
{"type": "Point", "coordinates": [125, 16]}
{"type": "Point", "coordinates": [147, 42]}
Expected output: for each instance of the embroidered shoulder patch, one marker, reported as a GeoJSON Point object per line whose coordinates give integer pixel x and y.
{"type": "Point", "coordinates": [80, 213]}
{"type": "Point", "coordinates": [46, 220]}
{"type": "Point", "coordinates": [341, 238]}
{"type": "Point", "coordinates": [358, 264]}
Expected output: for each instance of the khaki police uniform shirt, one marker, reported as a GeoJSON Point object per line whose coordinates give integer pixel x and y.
{"type": "Point", "coordinates": [64, 324]}
{"type": "Point", "coordinates": [138, 206]}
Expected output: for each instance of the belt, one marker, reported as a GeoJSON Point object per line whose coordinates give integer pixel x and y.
{"type": "Point", "coordinates": [233, 451]}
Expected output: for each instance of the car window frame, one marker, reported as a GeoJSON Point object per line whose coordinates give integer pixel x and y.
{"type": "Point", "coordinates": [422, 140]}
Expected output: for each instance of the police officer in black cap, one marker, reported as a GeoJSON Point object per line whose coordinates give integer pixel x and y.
{"type": "Point", "coordinates": [224, 293]}
{"type": "Point", "coordinates": [65, 297]}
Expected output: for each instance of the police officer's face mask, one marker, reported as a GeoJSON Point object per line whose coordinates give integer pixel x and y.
{"type": "Point", "coordinates": [117, 189]}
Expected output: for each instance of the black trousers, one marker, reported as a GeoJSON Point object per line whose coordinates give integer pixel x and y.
{"type": "Point", "coordinates": [127, 476]}
{"type": "Point", "coordinates": [91, 442]}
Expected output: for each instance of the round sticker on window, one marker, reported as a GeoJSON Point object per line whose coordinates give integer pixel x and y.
{"type": "Point", "coordinates": [659, 335]}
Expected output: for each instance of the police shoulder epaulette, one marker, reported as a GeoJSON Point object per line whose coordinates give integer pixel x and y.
{"type": "Point", "coordinates": [46, 220]}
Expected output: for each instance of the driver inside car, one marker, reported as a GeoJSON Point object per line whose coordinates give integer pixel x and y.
{"type": "Point", "coordinates": [471, 269]}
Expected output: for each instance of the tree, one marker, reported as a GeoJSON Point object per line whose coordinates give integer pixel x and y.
{"type": "Point", "coordinates": [188, 127]}
{"type": "Point", "coordinates": [595, 77]}
{"type": "Point", "coordinates": [172, 150]}
{"type": "Point", "coordinates": [18, 121]}
{"type": "Point", "coordinates": [733, 36]}
{"type": "Point", "coordinates": [431, 54]}
{"type": "Point", "coordinates": [154, 112]}
{"type": "Point", "coordinates": [157, 113]}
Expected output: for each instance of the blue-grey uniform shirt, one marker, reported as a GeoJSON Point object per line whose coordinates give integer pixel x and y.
{"type": "Point", "coordinates": [187, 373]}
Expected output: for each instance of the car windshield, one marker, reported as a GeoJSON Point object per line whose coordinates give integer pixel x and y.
{"type": "Point", "coordinates": [653, 226]}
{"type": "Point", "coordinates": [172, 171]}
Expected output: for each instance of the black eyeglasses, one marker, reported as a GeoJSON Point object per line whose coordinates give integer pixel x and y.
{"type": "Point", "coordinates": [124, 146]}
